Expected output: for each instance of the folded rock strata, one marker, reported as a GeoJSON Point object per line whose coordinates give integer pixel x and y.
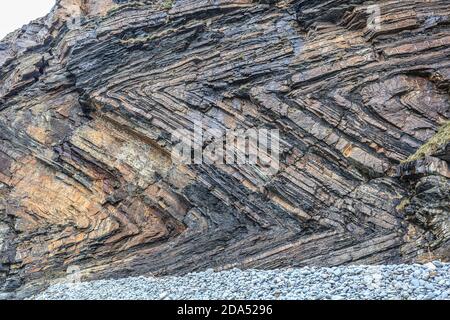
{"type": "Point", "coordinates": [91, 94]}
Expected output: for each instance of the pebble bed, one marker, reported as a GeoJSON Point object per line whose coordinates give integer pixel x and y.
{"type": "Point", "coordinates": [390, 282]}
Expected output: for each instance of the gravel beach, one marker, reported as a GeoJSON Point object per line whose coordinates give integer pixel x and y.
{"type": "Point", "coordinates": [411, 282]}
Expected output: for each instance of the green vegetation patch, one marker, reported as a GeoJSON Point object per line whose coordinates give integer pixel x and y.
{"type": "Point", "coordinates": [403, 204]}
{"type": "Point", "coordinates": [441, 138]}
{"type": "Point", "coordinates": [168, 4]}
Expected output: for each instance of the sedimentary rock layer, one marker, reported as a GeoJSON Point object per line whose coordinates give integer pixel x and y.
{"type": "Point", "coordinates": [91, 94]}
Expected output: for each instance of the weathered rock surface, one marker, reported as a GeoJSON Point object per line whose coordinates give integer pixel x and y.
{"type": "Point", "coordinates": [90, 95]}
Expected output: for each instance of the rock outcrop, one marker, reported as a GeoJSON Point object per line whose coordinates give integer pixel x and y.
{"type": "Point", "coordinates": [91, 94]}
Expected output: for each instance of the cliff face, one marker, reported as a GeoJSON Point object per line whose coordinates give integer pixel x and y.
{"type": "Point", "coordinates": [91, 94]}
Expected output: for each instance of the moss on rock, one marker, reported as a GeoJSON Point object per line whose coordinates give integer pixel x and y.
{"type": "Point", "coordinates": [441, 138]}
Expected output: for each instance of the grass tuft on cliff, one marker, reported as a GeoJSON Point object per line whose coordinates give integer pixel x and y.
{"type": "Point", "coordinates": [439, 139]}
{"type": "Point", "coordinates": [168, 4]}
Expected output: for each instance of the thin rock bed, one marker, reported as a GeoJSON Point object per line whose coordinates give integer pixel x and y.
{"type": "Point", "coordinates": [412, 282]}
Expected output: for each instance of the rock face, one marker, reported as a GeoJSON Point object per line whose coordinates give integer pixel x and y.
{"type": "Point", "coordinates": [91, 94]}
